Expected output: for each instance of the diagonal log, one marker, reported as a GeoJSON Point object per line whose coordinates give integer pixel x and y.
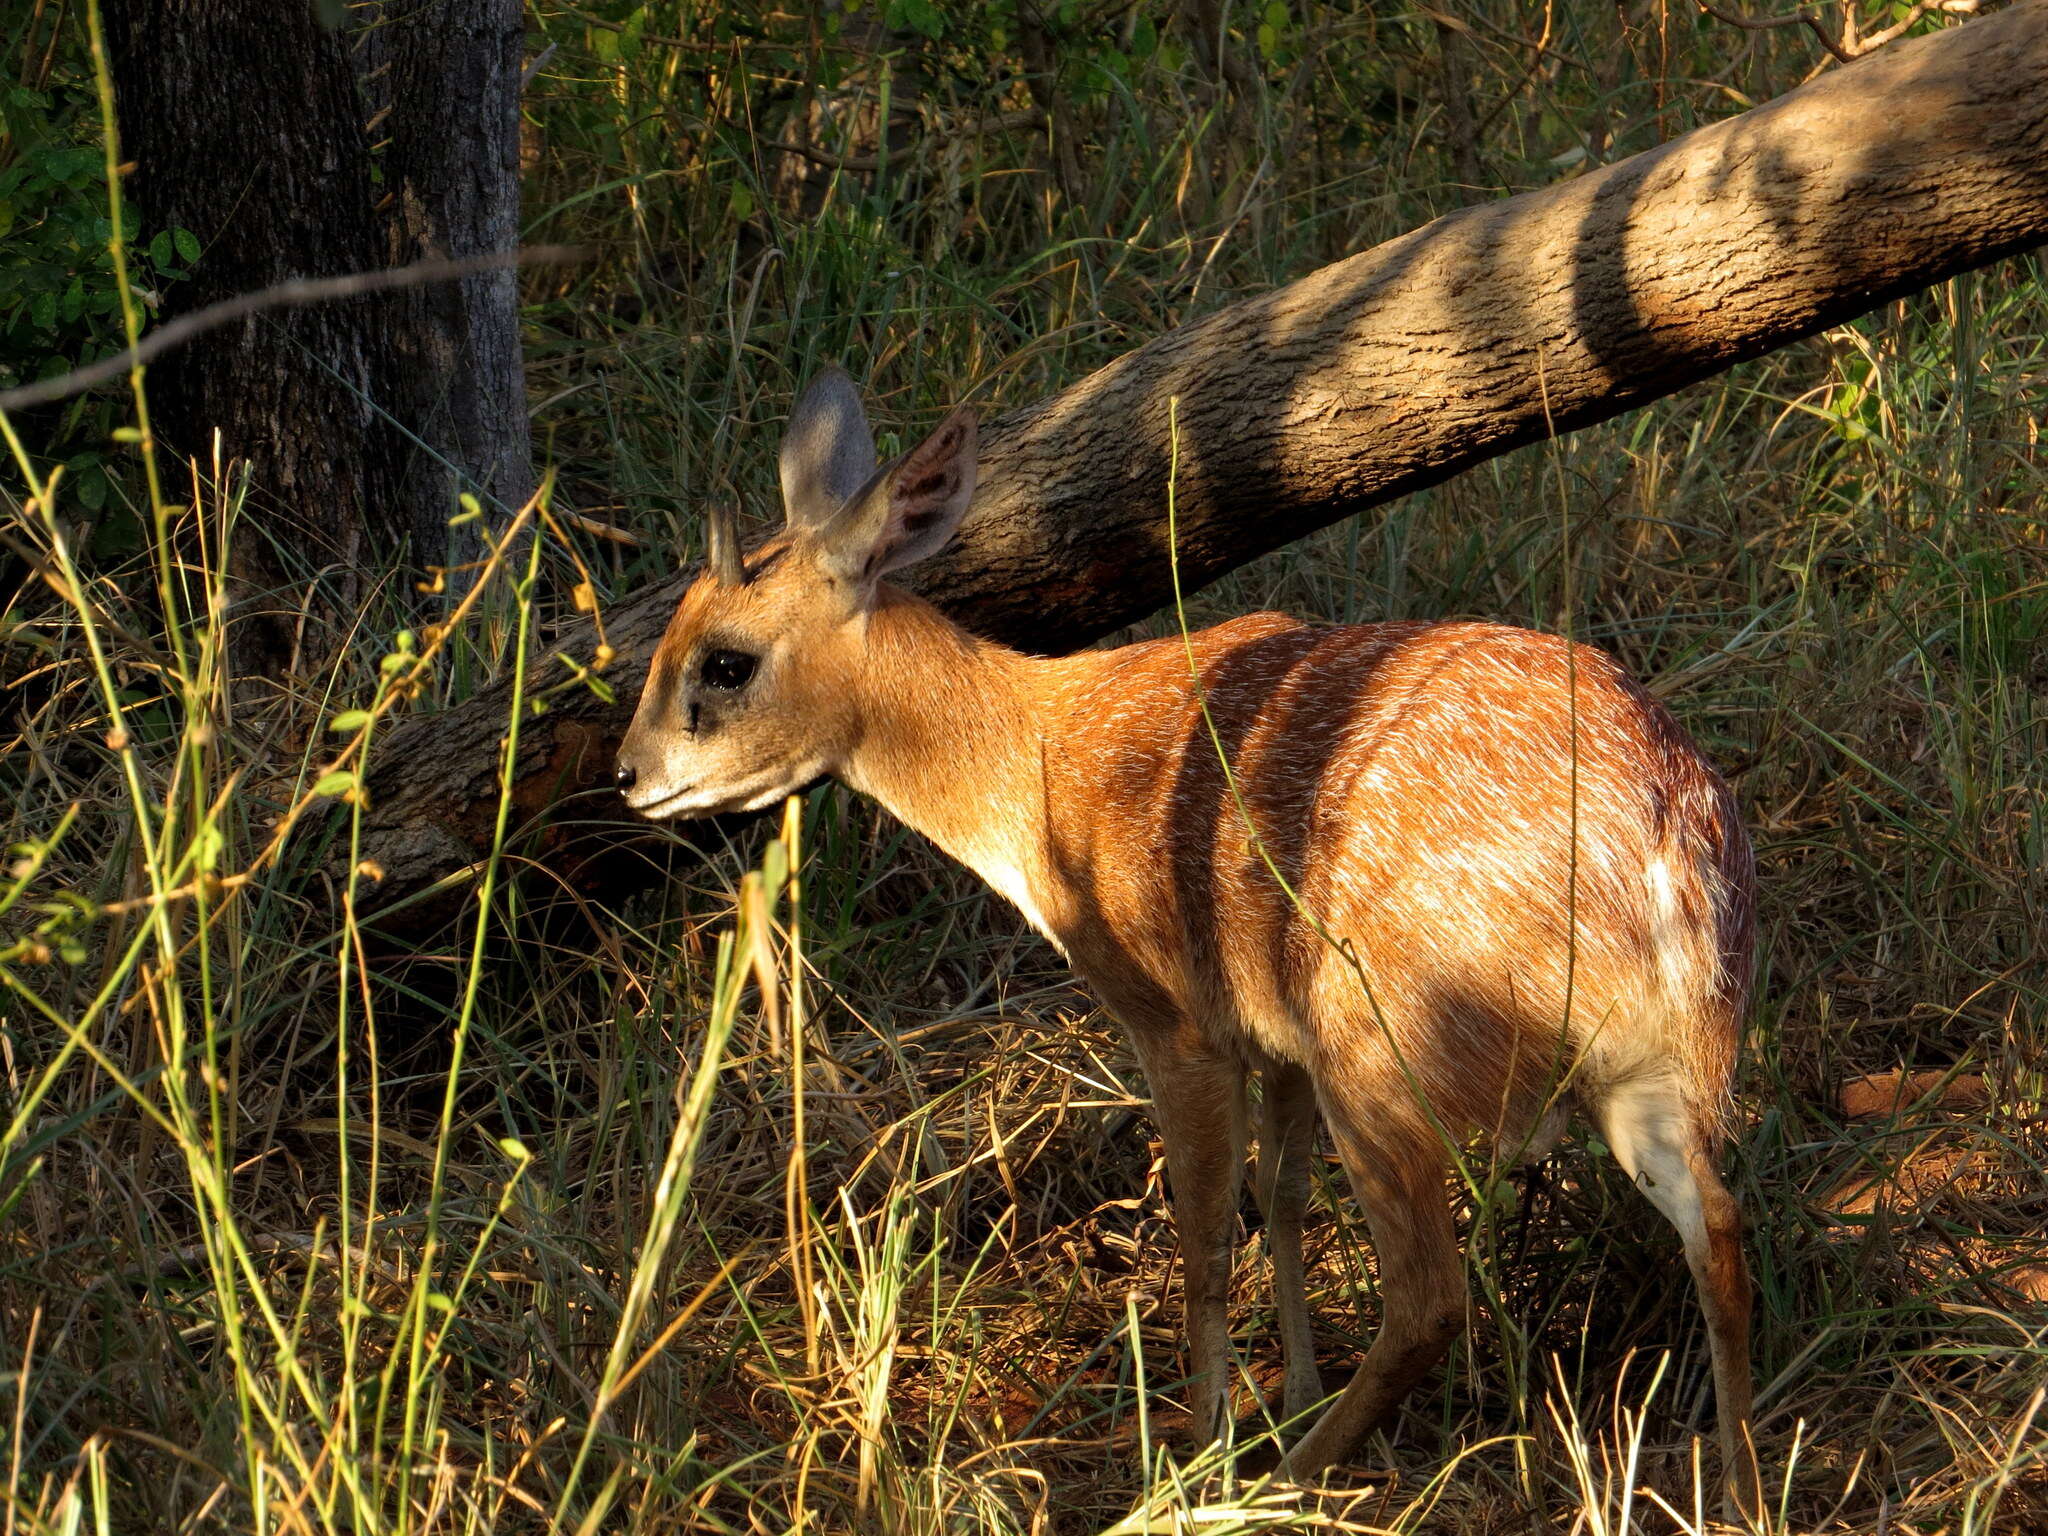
{"type": "Point", "coordinates": [1386, 372]}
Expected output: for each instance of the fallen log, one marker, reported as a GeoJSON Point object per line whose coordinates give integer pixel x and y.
{"type": "Point", "coordinates": [1384, 373]}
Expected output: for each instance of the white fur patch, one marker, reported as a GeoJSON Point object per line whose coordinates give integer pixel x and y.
{"type": "Point", "coordinates": [1667, 930]}
{"type": "Point", "coordinates": [1008, 882]}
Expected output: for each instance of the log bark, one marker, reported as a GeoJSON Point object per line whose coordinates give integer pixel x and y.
{"type": "Point", "coordinates": [1382, 374]}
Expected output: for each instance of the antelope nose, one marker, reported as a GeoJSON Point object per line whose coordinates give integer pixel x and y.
{"type": "Point", "coordinates": [625, 775]}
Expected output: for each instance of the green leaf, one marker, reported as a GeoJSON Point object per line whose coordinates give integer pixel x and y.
{"type": "Point", "coordinates": [116, 532]}
{"type": "Point", "coordinates": [919, 15]}
{"type": "Point", "coordinates": [349, 720]}
{"type": "Point", "coordinates": [339, 782]}
{"type": "Point", "coordinates": [161, 249]}
{"type": "Point", "coordinates": [742, 200]}
{"type": "Point", "coordinates": [91, 488]}
{"type": "Point", "coordinates": [187, 244]}
{"type": "Point", "coordinates": [74, 167]}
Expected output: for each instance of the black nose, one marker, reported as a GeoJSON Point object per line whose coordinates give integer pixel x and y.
{"type": "Point", "coordinates": [624, 775]}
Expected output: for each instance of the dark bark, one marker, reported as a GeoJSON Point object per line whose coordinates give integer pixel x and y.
{"type": "Point", "coordinates": [243, 123]}
{"type": "Point", "coordinates": [1041, 77]}
{"type": "Point", "coordinates": [1461, 134]}
{"type": "Point", "coordinates": [1231, 77]}
{"type": "Point", "coordinates": [1385, 373]}
{"type": "Point", "coordinates": [449, 73]}
{"type": "Point", "coordinates": [249, 123]}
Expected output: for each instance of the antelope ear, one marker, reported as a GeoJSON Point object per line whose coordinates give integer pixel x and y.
{"type": "Point", "coordinates": [828, 453]}
{"type": "Point", "coordinates": [909, 511]}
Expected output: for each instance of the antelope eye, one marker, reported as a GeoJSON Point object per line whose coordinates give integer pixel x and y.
{"type": "Point", "coordinates": [727, 670]}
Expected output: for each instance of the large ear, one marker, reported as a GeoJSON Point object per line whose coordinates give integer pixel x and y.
{"type": "Point", "coordinates": [907, 512]}
{"type": "Point", "coordinates": [827, 451]}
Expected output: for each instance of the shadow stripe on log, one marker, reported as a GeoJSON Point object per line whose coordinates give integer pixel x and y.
{"type": "Point", "coordinates": [1378, 375]}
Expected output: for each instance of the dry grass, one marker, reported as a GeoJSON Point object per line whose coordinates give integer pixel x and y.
{"type": "Point", "coordinates": [298, 1236]}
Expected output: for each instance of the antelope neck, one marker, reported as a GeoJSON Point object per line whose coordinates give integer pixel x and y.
{"type": "Point", "coordinates": [952, 744]}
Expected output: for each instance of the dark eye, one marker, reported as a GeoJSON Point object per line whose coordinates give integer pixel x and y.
{"type": "Point", "coordinates": [727, 669]}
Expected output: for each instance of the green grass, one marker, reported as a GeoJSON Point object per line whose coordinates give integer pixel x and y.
{"type": "Point", "coordinates": [806, 1191]}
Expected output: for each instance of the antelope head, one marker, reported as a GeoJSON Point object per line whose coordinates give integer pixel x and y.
{"type": "Point", "coordinates": [758, 688]}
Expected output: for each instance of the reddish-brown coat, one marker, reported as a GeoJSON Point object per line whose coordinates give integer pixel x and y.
{"type": "Point", "coordinates": [1454, 878]}
{"type": "Point", "coordinates": [1409, 876]}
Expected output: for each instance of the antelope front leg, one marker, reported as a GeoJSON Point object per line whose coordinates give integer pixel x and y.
{"type": "Point", "coordinates": [1198, 1105]}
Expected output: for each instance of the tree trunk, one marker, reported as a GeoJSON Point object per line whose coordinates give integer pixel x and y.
{"type": "Point", "coordinates": [251, 124]}
{"type": "Point", "coordinates": [450, 74]}
{"type": "Point", "coordinates": [1382, 374]}
{"type": "Point", "coordinates": [242, 120]}
{"type": "Point", "coordinates": [1454, 85]}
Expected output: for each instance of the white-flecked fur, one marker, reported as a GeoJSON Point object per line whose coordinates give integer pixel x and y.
{"type": "Point", "coordinates": [1458, 877]}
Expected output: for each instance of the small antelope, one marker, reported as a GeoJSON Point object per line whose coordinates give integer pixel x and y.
{"type": "Point", "coordinates": [1457, 878]}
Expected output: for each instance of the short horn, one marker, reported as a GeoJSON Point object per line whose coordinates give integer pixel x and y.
{"type": "Point", "coordinates": [722, 552]}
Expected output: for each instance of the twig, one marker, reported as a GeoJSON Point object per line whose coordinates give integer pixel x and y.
{"type": "Point", "coordinates": [686, 44]}
{"type": "Point", "coordinates": [171, 1261]}
{"type": "Point", "coordinates": [1002, 122]}
{"type": "Point", "coordinates": [1850, 46]}
{"type": "Point", "coordinates": [599, 529]}
{"type": "Point", "coordinates": [692, 45]}
{"type": "Point", "coordinates": [1859, 46]}
{"type": "Point", "coordinates": [1766, 23]}
{"type": "Point", "coordinates": [534, 66]}
{"type": "Point", "coordinates": [286, 295]}
{"type": "Point", "coordinates": [858, 165]}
